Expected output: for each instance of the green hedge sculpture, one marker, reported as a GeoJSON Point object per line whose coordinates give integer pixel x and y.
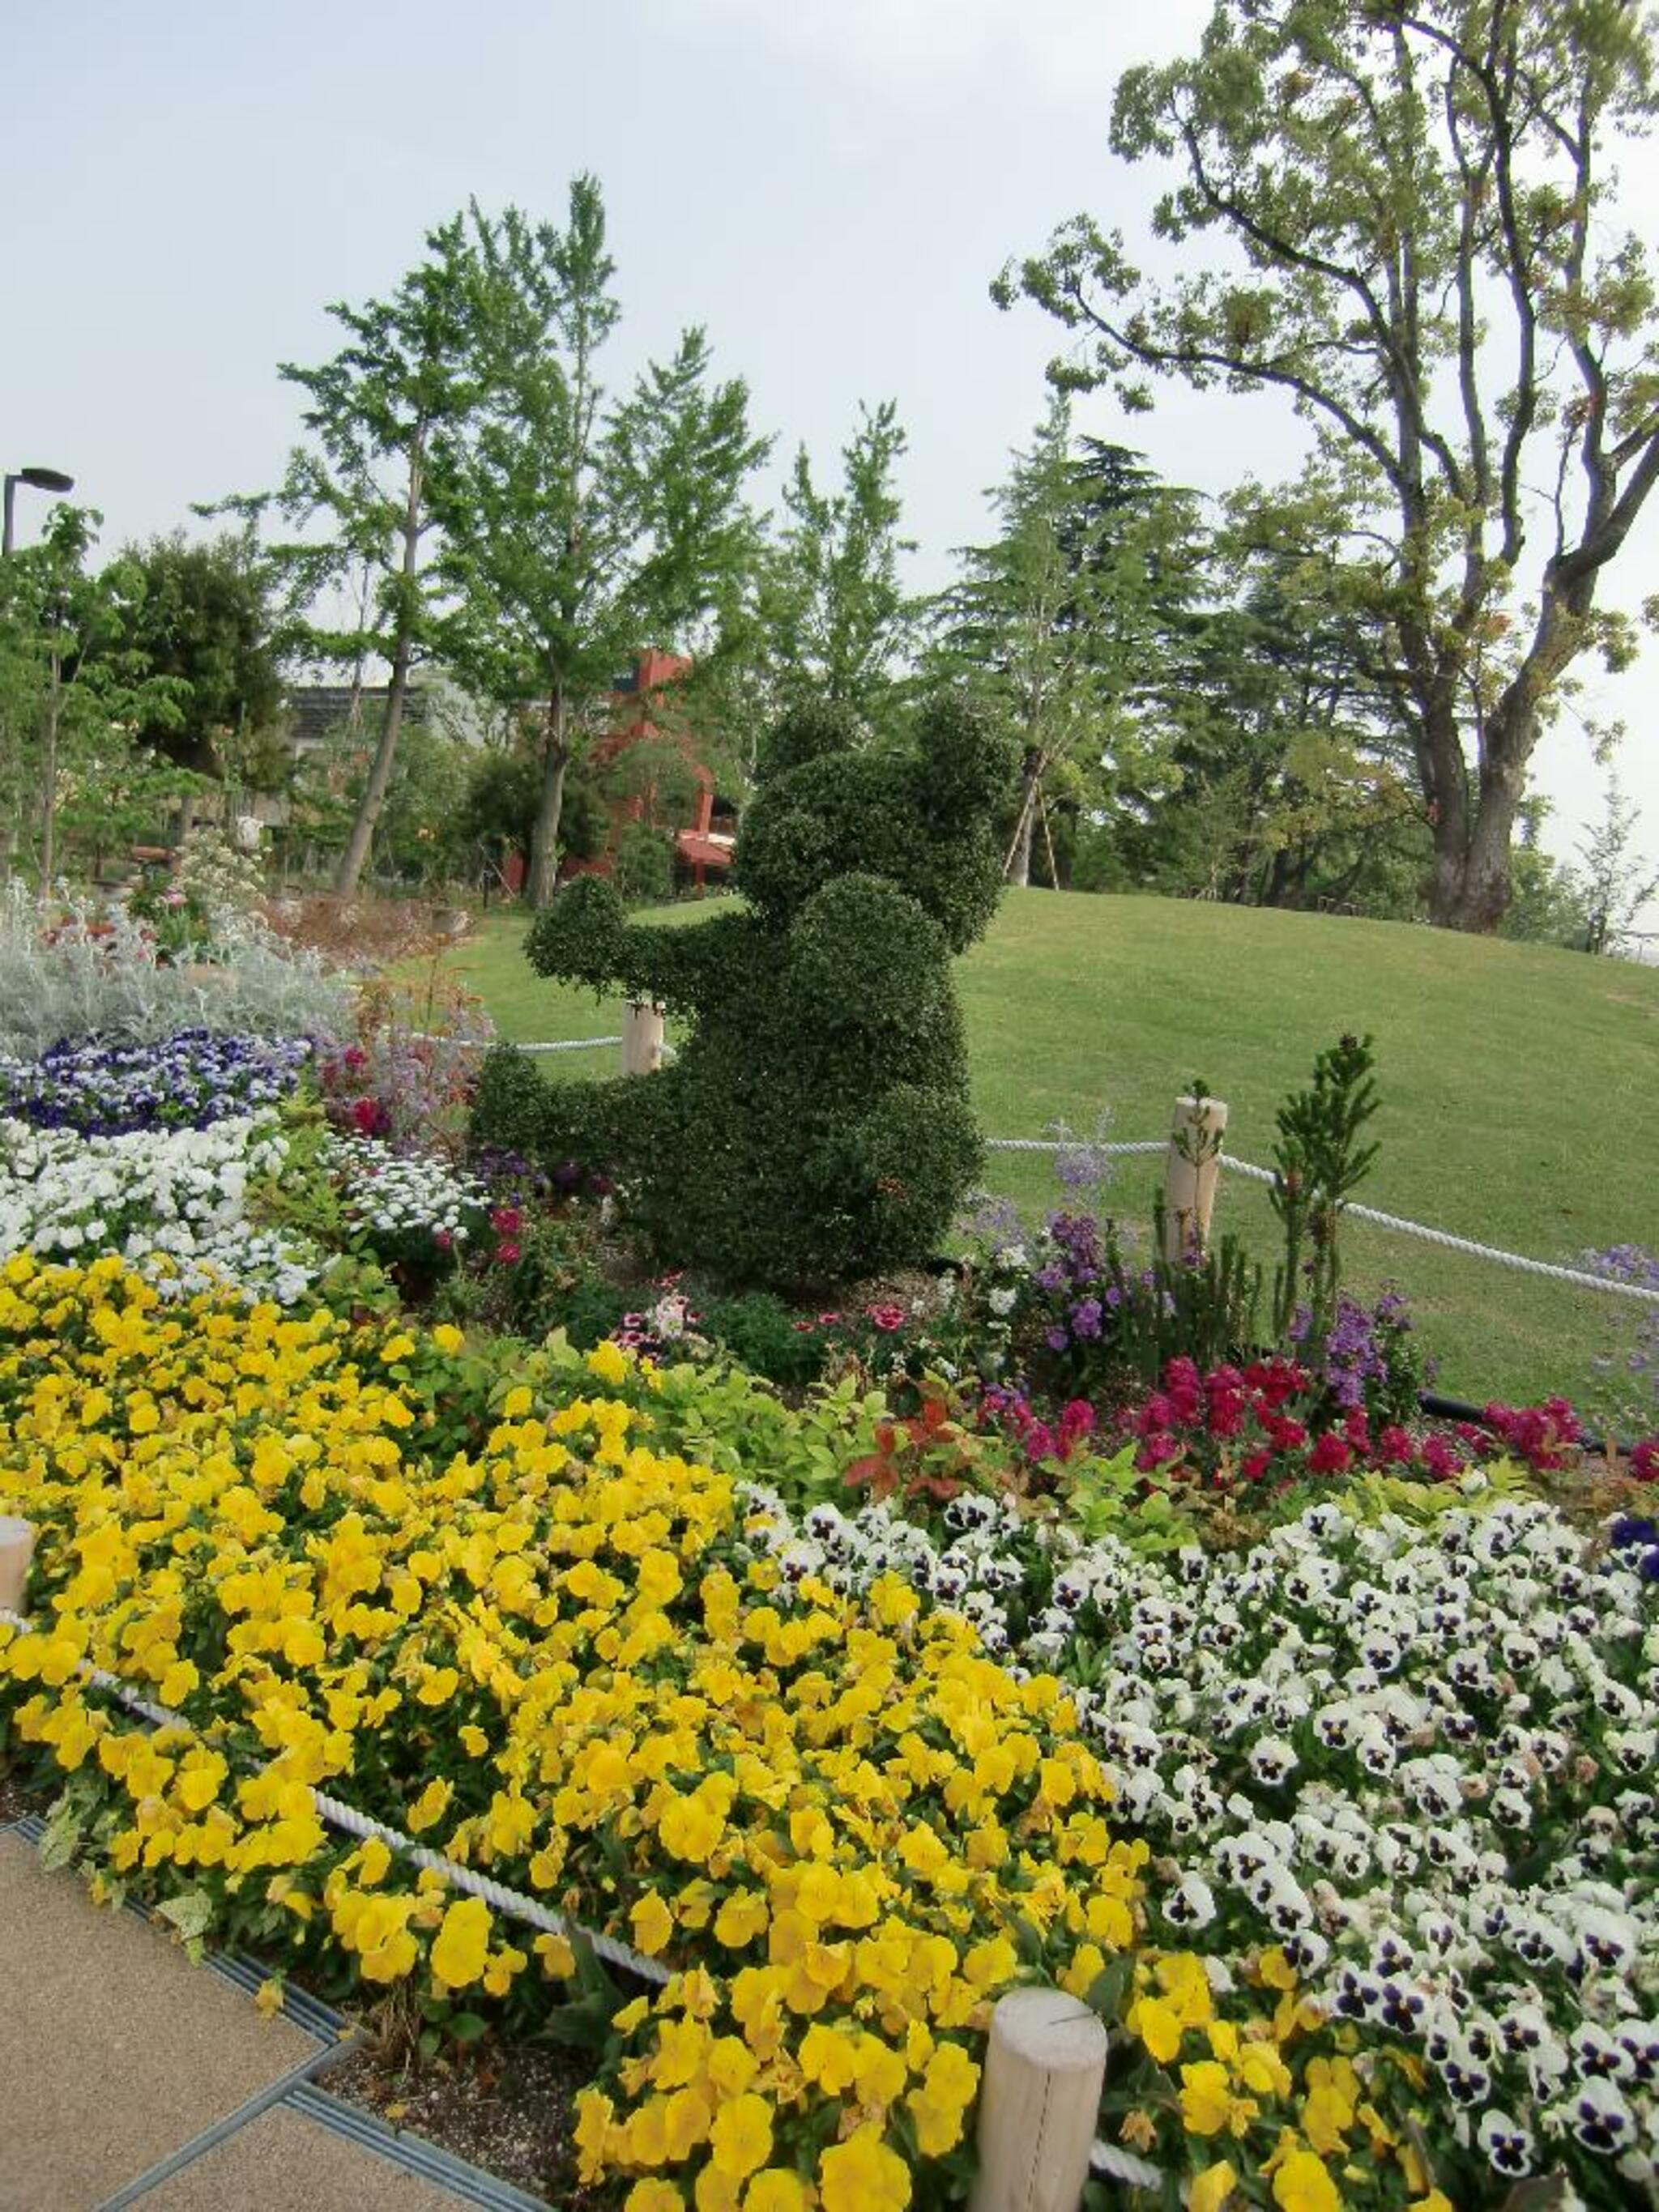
{"type": "Point", "coordinates": [815, 1126]}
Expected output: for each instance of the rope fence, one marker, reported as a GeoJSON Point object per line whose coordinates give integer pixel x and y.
{"type": "Point", "coordinates": [1579, 1277]}
{"type": "Point", "coordinates": [1147, 1148]}
{"type": "Point", "coordinates": [334, 1813]}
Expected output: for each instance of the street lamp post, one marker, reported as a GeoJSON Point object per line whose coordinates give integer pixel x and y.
{"type": "Point", "coordinates": [51, 480]}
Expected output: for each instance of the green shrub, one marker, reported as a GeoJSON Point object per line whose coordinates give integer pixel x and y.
{"type": "Point", "coordinates": [765, 1335]}
{"type": "Point", "coordinates": [816, 1126]}
{"type": "Point", "coordinates": [644, 865]}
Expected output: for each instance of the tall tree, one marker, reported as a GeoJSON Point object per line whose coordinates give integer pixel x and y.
{"type": "Point", "coordinates": [72, 692]}
{"type": "Point", "coordinates": [1406, 217]}
{"type": "Point", "coordinates": [834, 613]}
{"type": "Point", "coordinates": [1291, 783]}
{"type": "Point", "coordinates": [579, 527]}
{"type": "Point", "coordinates": [1062, 625]}
{"type": "Point", "coordinates": [361, 491]}
{"type": "Point", "coordinates": [200, 615]}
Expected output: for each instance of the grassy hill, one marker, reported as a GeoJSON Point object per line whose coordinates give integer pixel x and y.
{"type": "Point", "coordinates": [1518, 1087]}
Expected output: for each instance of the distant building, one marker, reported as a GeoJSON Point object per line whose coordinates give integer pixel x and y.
{"type": "Point", "coordinates": [701, 845]}
{"type": "Point", "coordinates": [313, 712]}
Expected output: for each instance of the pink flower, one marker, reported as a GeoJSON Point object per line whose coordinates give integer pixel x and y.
{"type": "Point", "coordinates": [507, 1253]}
{"type": "Point", "coordinates": [887, 1317]}
{"type": "Point", "coordinates": [507, 1220]}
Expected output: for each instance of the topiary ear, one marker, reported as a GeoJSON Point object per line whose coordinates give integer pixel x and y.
{"type": "Point", "coordinates": [814, 729]}
{"type": "Point", "coordinates": [969, 762]}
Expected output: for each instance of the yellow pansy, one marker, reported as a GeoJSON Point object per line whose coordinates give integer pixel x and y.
{"type": "Point", "coordinates": [740, 2140]}
{"type": "Point", "coordinates": [1301, 2184]}
{"type": "Point", "coordinates": [462, 1943]}
{"type": "Point", "coordinates": [1210, 2189]}
{"type": "Point", "coordinates": [863, 2175]}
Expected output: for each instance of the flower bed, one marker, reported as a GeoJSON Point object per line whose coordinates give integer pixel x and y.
{"type": "Point", "coordinates": [1413, 1765]}
{"type": "Point", "coordinates": [556, 1654]}
{"type": "Point", "coordinates": [187, 1081]}
{"type": "Point", "coordinates": [172, 1203]}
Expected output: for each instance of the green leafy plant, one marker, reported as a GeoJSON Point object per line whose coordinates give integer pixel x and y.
{"type": "Point", "coordinates": [1318, 1163]}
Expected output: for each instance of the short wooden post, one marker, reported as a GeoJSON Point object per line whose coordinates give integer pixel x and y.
{"type": "Point", "coordinates": [1039, 2103]}
{"type": "Point", "coordinates": [642, 1047]}
{"type": "Point", "coordinates": [16, 1550]}
{"type": "Point", "coordinates": [1192, 1170]}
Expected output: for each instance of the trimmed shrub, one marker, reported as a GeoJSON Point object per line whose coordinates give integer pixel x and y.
{"type": "Point", "coordinates": [816, 1126]}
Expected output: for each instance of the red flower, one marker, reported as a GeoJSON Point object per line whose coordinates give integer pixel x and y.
{"type": "Point", "coordinates": [507, 1253]}
{"type": "Point", "coordinates": [1330, 1455]}
{"type": "Point", "coordinates": [1645, 1460]}
{"type": "Point", "coordinates": [887, 1317]}
{"type": "Point", "coordinates": [1441, 1457]}
{"type": "Point", "coordinates": [507, 1220]}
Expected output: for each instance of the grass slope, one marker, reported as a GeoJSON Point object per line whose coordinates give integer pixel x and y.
{"type": "Point", "coordinates": [1517, 1087]}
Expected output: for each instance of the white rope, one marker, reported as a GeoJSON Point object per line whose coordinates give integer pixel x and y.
{"type": "Point", "coordinates": [1118, 2165]}
{"type": "Point", "coordinates": [1070, 1145]}
{"type": "Point", "coordinates": [337, 1814]}
{"type": "Point", "coordinates": [1444, 1237]}
{"type": "Point", "coordinates": [1476, 1251]}
{"type": "Point", "coordinates": [555, 1044]}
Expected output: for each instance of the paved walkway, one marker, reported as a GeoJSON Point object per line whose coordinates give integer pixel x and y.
{"type": "Point", "coordinates": [130, 2076]}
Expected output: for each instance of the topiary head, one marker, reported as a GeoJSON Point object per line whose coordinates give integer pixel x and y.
{"type": "Point", "coordinates": [920, 818]}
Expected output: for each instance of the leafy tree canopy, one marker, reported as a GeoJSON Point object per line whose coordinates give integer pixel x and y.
{"type": "Point", "coordinates": [1401, 219]}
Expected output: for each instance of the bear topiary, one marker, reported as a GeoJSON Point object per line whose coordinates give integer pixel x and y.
{"type": "Point", "coordinates": [815, 1126]}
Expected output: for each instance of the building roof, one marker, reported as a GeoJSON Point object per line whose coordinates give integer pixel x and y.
{"type": "Point", "coordinates": [315, 710]}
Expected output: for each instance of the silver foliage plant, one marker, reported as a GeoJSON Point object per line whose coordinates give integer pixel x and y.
{"type": "Point", "coordinates": [72, 970]}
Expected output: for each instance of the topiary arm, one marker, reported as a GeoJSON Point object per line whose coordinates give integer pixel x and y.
{"type": "Point", "coordinates": [585, 937]}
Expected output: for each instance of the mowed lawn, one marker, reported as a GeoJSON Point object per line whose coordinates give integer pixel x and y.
{"type": "Point", "coordinates": [1518, 1088]}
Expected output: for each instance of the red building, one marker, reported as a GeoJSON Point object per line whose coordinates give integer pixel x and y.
{"type": "Point", "coordinates": [700, 845]}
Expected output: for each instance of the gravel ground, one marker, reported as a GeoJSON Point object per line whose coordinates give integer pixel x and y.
{"type": "Point", "coordinates": [507, 2110]}
{"type": "Point", "coordinates": [13, 1802]}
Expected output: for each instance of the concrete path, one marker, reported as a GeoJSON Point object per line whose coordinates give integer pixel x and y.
{"type": "Point", "coordinates": [128, 2075]}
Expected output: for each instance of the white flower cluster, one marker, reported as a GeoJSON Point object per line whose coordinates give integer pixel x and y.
{"type": "Point", "coordinates": [173, 1202]}
{"type": "Point", "coordinates": [972, 1573]}
{"type": "Point", "coordinates": [1424, 1764]}
{"type": "Point", "coordinates": [391, 1195]}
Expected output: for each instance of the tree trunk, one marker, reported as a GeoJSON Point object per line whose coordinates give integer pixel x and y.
{"type": "Point", "coordinates": [385, 753]}
{"type": "Point", "coordinates": [1469, 883]}
{"type": "Point", "coordinates": [544, 838]}
{"type": "Point", "coordinates": [1017, 867]}
{"type": "Point", "coordinates": [49, 780]}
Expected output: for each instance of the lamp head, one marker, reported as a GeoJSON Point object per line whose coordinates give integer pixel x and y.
{"type": "Point", "coordinates": [46, 479]}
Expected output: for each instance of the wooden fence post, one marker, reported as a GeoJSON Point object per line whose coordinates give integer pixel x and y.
{"type": "Point", "coordinates": [16, 1550]}
{"type": "Point", "coordinates": [1039, 2102]}
{"type": "Point", "coordinates": [1192, 1170]}
{"type": "Point", "coordinates": [641, 1044]}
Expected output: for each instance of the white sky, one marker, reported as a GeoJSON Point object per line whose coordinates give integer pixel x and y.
{"type": "Point", "coordinates": [828, 185]}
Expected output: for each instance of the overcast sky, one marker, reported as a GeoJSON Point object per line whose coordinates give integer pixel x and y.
{"type": "Point", "coordinates": [828, 186]}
